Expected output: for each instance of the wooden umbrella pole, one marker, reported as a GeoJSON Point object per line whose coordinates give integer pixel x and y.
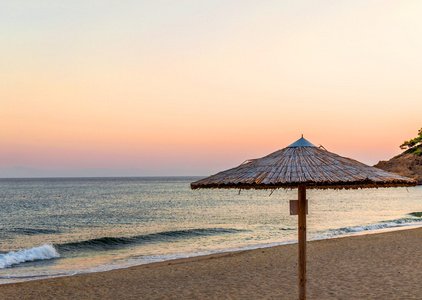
{"type": "Point", "coordinates": [302, 240]}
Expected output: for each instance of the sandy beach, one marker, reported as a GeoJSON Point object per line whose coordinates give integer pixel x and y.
{"type": "Point", "coordinates": [384, 265]}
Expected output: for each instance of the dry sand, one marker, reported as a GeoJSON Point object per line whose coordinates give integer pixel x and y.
{"type": "Point", "coordinates": [376, 266]}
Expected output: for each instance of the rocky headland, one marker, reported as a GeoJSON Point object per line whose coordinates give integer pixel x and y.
{"type": "Point", "coordinates": [406, 164]}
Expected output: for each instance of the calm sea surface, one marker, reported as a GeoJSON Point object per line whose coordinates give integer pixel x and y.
{"type": "Point", "coordinates": [53, 227]}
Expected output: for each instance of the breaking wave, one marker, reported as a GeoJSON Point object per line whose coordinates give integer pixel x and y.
{"type": "Point", "coordinates": [107, 243]}
{"type": "Point", "coordinates": [37, 253]}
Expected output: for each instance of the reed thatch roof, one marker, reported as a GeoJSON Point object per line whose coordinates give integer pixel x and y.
{"type": "Point", "coordinates": [302, 162]}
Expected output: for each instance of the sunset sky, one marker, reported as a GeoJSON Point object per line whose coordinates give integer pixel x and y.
{"type": "Point", "coordinates": [205, 85]}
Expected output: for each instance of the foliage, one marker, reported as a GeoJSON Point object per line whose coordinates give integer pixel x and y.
{"type": "Point", "coordinates": [414, 145]}
{"type": "Point", "coordinates": [416, 214]}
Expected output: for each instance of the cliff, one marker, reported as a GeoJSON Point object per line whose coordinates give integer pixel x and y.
{"type": "Point", "coordinates": [406, 164]}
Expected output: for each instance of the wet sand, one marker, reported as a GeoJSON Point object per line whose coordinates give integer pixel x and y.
{"type": "Point", "coordinates": [385, 265]}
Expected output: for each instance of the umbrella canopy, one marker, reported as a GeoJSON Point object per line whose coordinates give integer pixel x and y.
{"type": "Point", "coordinates": [303, 163]}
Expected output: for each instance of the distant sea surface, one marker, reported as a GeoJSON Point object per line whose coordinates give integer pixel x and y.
{"type": "Point", "coordinates": [63, 226]}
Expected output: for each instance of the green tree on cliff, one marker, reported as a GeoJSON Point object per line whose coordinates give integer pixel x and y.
{"type": "Point", "coordinates": [414, 145]}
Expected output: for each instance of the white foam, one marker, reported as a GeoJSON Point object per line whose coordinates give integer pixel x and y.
{"type": "Point", "coordinates": [37, 253]}
{"type": "Point", "coordinates": [373, 227]}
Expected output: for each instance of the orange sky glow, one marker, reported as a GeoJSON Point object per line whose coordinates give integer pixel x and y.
{"type": "Point", "coordinates": [205, 85]}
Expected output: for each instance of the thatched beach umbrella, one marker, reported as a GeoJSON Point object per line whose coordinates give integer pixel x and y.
{"type": "Point", "coordinates": [302, 165]}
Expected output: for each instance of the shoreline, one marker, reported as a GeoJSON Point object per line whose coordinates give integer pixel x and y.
{"type": "Point", "coordinates": [217, 253]}
{"type": "Point", "coordinates": [222, 252]}
{"type": "Point", "coordinates": [346, 266]}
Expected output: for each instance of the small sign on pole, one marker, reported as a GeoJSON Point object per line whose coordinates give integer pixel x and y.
{"type": "Point", "coordinates": [294, 205]}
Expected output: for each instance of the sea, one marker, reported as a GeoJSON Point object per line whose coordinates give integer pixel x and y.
{"type": "Point", "coordinates": [54, 227]}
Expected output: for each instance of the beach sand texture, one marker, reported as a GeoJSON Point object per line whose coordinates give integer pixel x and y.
{"type": "Point", "coordinates": [376, 266]}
